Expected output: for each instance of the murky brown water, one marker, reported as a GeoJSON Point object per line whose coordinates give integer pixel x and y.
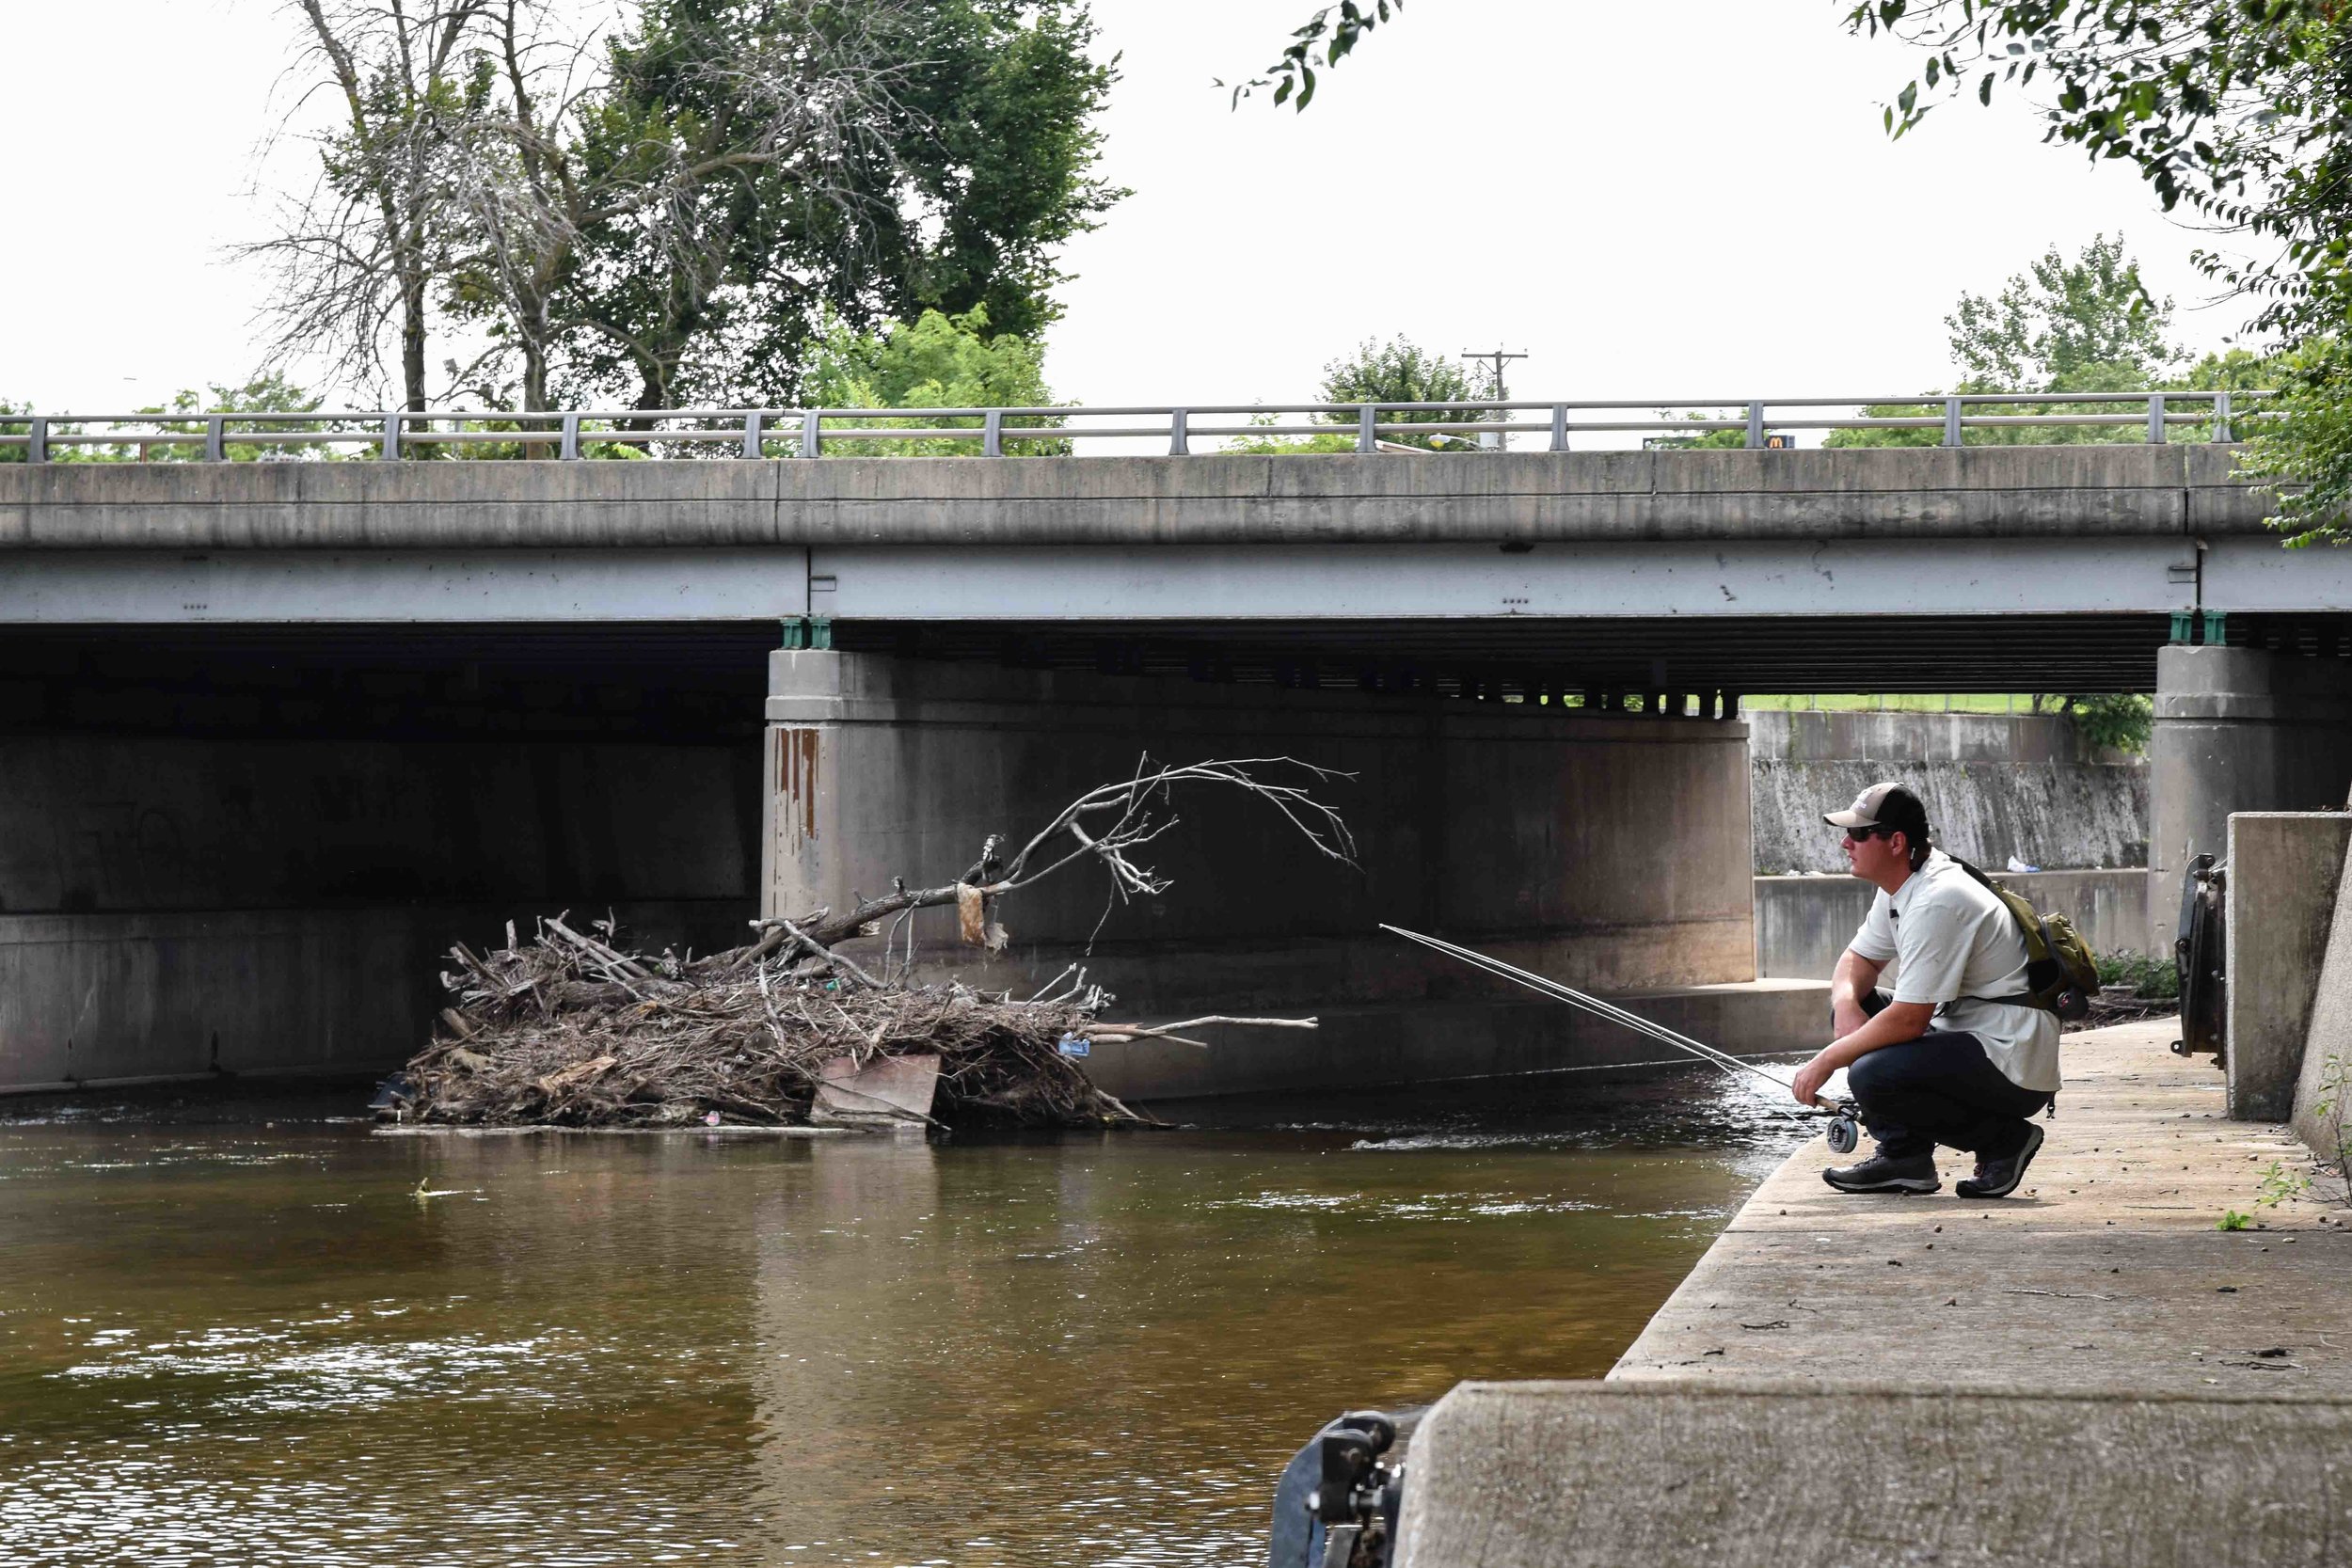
{"type": "Point", "coordinates": [241, 1345]}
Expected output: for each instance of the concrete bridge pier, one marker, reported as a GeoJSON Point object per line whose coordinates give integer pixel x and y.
{"type": "Point", "coordinates": [2238, 730]}
{"type": "Point", "coordinates": [1610, 850]}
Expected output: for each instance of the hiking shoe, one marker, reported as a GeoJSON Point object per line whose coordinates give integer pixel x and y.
{"type": "Point", "coordinates": [1999, 1178]}
{"type": "Point", "coordinates": [1914, 1173]}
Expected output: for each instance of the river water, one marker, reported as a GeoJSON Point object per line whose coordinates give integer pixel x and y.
{"type": "Point", "coordinates": [292, 1342]}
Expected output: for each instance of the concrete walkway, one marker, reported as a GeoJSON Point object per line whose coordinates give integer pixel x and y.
{"type": "Point", "coordinates": [2104, 1273]}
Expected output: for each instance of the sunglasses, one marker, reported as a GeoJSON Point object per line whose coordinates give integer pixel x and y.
{"type": "Point", "coordinates": [1864, 835]}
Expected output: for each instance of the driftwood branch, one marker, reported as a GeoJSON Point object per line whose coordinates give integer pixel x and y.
{"type": "Point", "coordinates": [1107, 823]}
{"type": "Point", "coordinates": [570, 1028]}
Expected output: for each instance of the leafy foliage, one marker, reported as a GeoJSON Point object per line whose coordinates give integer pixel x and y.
{"type": "Point", "coordinates": [2120, 720]}
{"type": "Point", "coordinates": [2238, 110]}
{"type": "Point", "coordinates": [2305, 445]}
{"type": "Point", "coordinates": [1286, 446]}
{"type": "Point", "coordinates": [2087, 324]}
{"type": "Point", "coordinates": [1323, 42]}
{"type": "Point", "coordinates": [2235, 108]}
{"type": "Point", "coordinates": [963, 172]}
{"type": "Point", "coordinates": [1400, 370]}
{"type": "Point", "coordinates": [936, 362]}
{"type": "Point", "coordinates": [2151, 978]}
{"type": "Point", "coordinates": [665, 214]}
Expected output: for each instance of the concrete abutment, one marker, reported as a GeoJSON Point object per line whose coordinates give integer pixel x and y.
{"type": "Point", "coordinates": [1610, 851]}
{"type": "Point", "coordinates": [2237, 730]}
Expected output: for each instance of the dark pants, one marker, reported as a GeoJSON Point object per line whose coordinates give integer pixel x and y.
{"type": "Point", "coordinates": [1941, 1088]}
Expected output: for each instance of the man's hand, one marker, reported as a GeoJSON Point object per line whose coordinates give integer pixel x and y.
{"type": "Point", "coordinates": [1810, 1078]}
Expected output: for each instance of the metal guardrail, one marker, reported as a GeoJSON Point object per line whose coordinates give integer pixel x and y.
{"type": "Point", "coordinates": [808, 431]}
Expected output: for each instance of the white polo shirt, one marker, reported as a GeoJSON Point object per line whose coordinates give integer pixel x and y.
{"type": "Point", "coordinates": [1955, 943]}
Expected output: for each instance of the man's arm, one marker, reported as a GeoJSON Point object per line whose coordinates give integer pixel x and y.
{"type": "Point", "coordinates": [1857, 1035]}
{"type": "Point", "coordinates": [1855, 979]}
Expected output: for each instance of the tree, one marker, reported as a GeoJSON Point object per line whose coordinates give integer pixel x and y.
{"type": "Point", "coordinates": [2240, 111]}
{"type": "Point", "coordinates": [977, 165]}
{"type": "Point", "coordinates": [1399, 370]}
{"type": "Point", "coordinates": [355, 258]}
{"type": "Point", "coordinates": [2084, 326]}
{"type": "Point", "coordinates": [936, 362]}
{"type": "Point", "coordinates": [664, 211]}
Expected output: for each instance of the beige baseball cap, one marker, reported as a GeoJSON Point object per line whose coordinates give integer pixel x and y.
{"type": "Point", "coordinates": [1886, 805]}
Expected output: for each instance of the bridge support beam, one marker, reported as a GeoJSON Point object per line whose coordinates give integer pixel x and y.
{"type": "Point", "coordinates": [2237, 730]}
{"type": "Point", "coordinates": [1612, 851]}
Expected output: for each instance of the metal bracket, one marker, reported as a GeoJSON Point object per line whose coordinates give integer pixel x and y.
{"type": "Point", "coordinates": [803, 633]}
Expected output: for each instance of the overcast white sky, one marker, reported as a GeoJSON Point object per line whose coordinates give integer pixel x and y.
{"type": "Point", "coordinates": [1687, 200]}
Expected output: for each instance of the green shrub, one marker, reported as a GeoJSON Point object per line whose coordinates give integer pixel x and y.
{"type": "Point", "coordinates": [2151, 978]}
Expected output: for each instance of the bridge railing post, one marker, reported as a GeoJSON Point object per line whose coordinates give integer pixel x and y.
{"type": "Point", "coordinates": [1368, 428]}
{"type": "Point", "coordinates": [2156, 419]}
{"type": "Point", "coordinates": [1559, 427]}
{"type": "Point", "coordinates": [567, 450]}
{"type": "Point", "coordinates": [37, 441]}
{"type": "Point", "coordinates": [1179, 436]}
{"type": "Point", "coordinates": [387, 446]}
{"type": "Point", "coordinates": [812, 433]}
{"type": "Point", "coordinates": [1755, 425]}
{"type": "Point", "coordinates": [2221, 431]}
{"type": "Point", "coordinates": [992, 434]}
{"type": "Point", "coordinates": [1951, 421]}
{"type": "Point", "coordinates": [215, 446]}
{"type": "Point", "coordinates": [752, 434]}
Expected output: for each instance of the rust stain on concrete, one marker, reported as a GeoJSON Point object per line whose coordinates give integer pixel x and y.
{"type": "Point", "coordinates": [796, 783]}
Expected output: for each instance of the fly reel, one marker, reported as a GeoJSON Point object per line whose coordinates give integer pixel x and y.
{"type": "Point", "coordinates": [1845, 1129]}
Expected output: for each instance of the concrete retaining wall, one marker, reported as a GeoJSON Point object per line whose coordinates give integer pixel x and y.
{"type": "Point", "coordinates": [1803, 922]}
{"type": "Point", "coordinates": [1603, 1475]}
{"type": "Point", "coordinates": [1995, 785]}
{"type": "Point", "coordinates": [105, 998]}
{"type": "Point", "coordinates": [172, 906]}
{"type": "Point", "coordinates": [2280, 904]}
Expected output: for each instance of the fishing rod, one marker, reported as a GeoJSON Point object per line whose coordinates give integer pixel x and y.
{"type": "Point", "coordinates": [1844, 1130]}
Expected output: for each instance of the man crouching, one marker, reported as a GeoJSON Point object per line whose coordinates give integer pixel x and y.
{"type": "Point", "coordinates": [1959, 1057]}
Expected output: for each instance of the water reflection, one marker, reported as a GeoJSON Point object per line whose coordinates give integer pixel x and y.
{"type": "Point", "coordinates": [305, 1344]}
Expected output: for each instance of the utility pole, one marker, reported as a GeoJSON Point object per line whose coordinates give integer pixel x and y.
{"type": "Point", "coordinates": [1499, 356]}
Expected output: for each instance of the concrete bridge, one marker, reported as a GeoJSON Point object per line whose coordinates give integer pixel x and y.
{"type": "Point", "coordinates": [271, 734]}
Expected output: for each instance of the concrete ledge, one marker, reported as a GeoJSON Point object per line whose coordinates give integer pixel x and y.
{"type": "Point", "coordinates": [1534, 1475]}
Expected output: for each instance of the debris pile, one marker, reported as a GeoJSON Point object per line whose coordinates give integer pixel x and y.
{"type": "Point", "coordinates": [568, 1029]}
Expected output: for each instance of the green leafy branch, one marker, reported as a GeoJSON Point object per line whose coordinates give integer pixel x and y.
{"type": "Point", "coordinates": [1323, 42]}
